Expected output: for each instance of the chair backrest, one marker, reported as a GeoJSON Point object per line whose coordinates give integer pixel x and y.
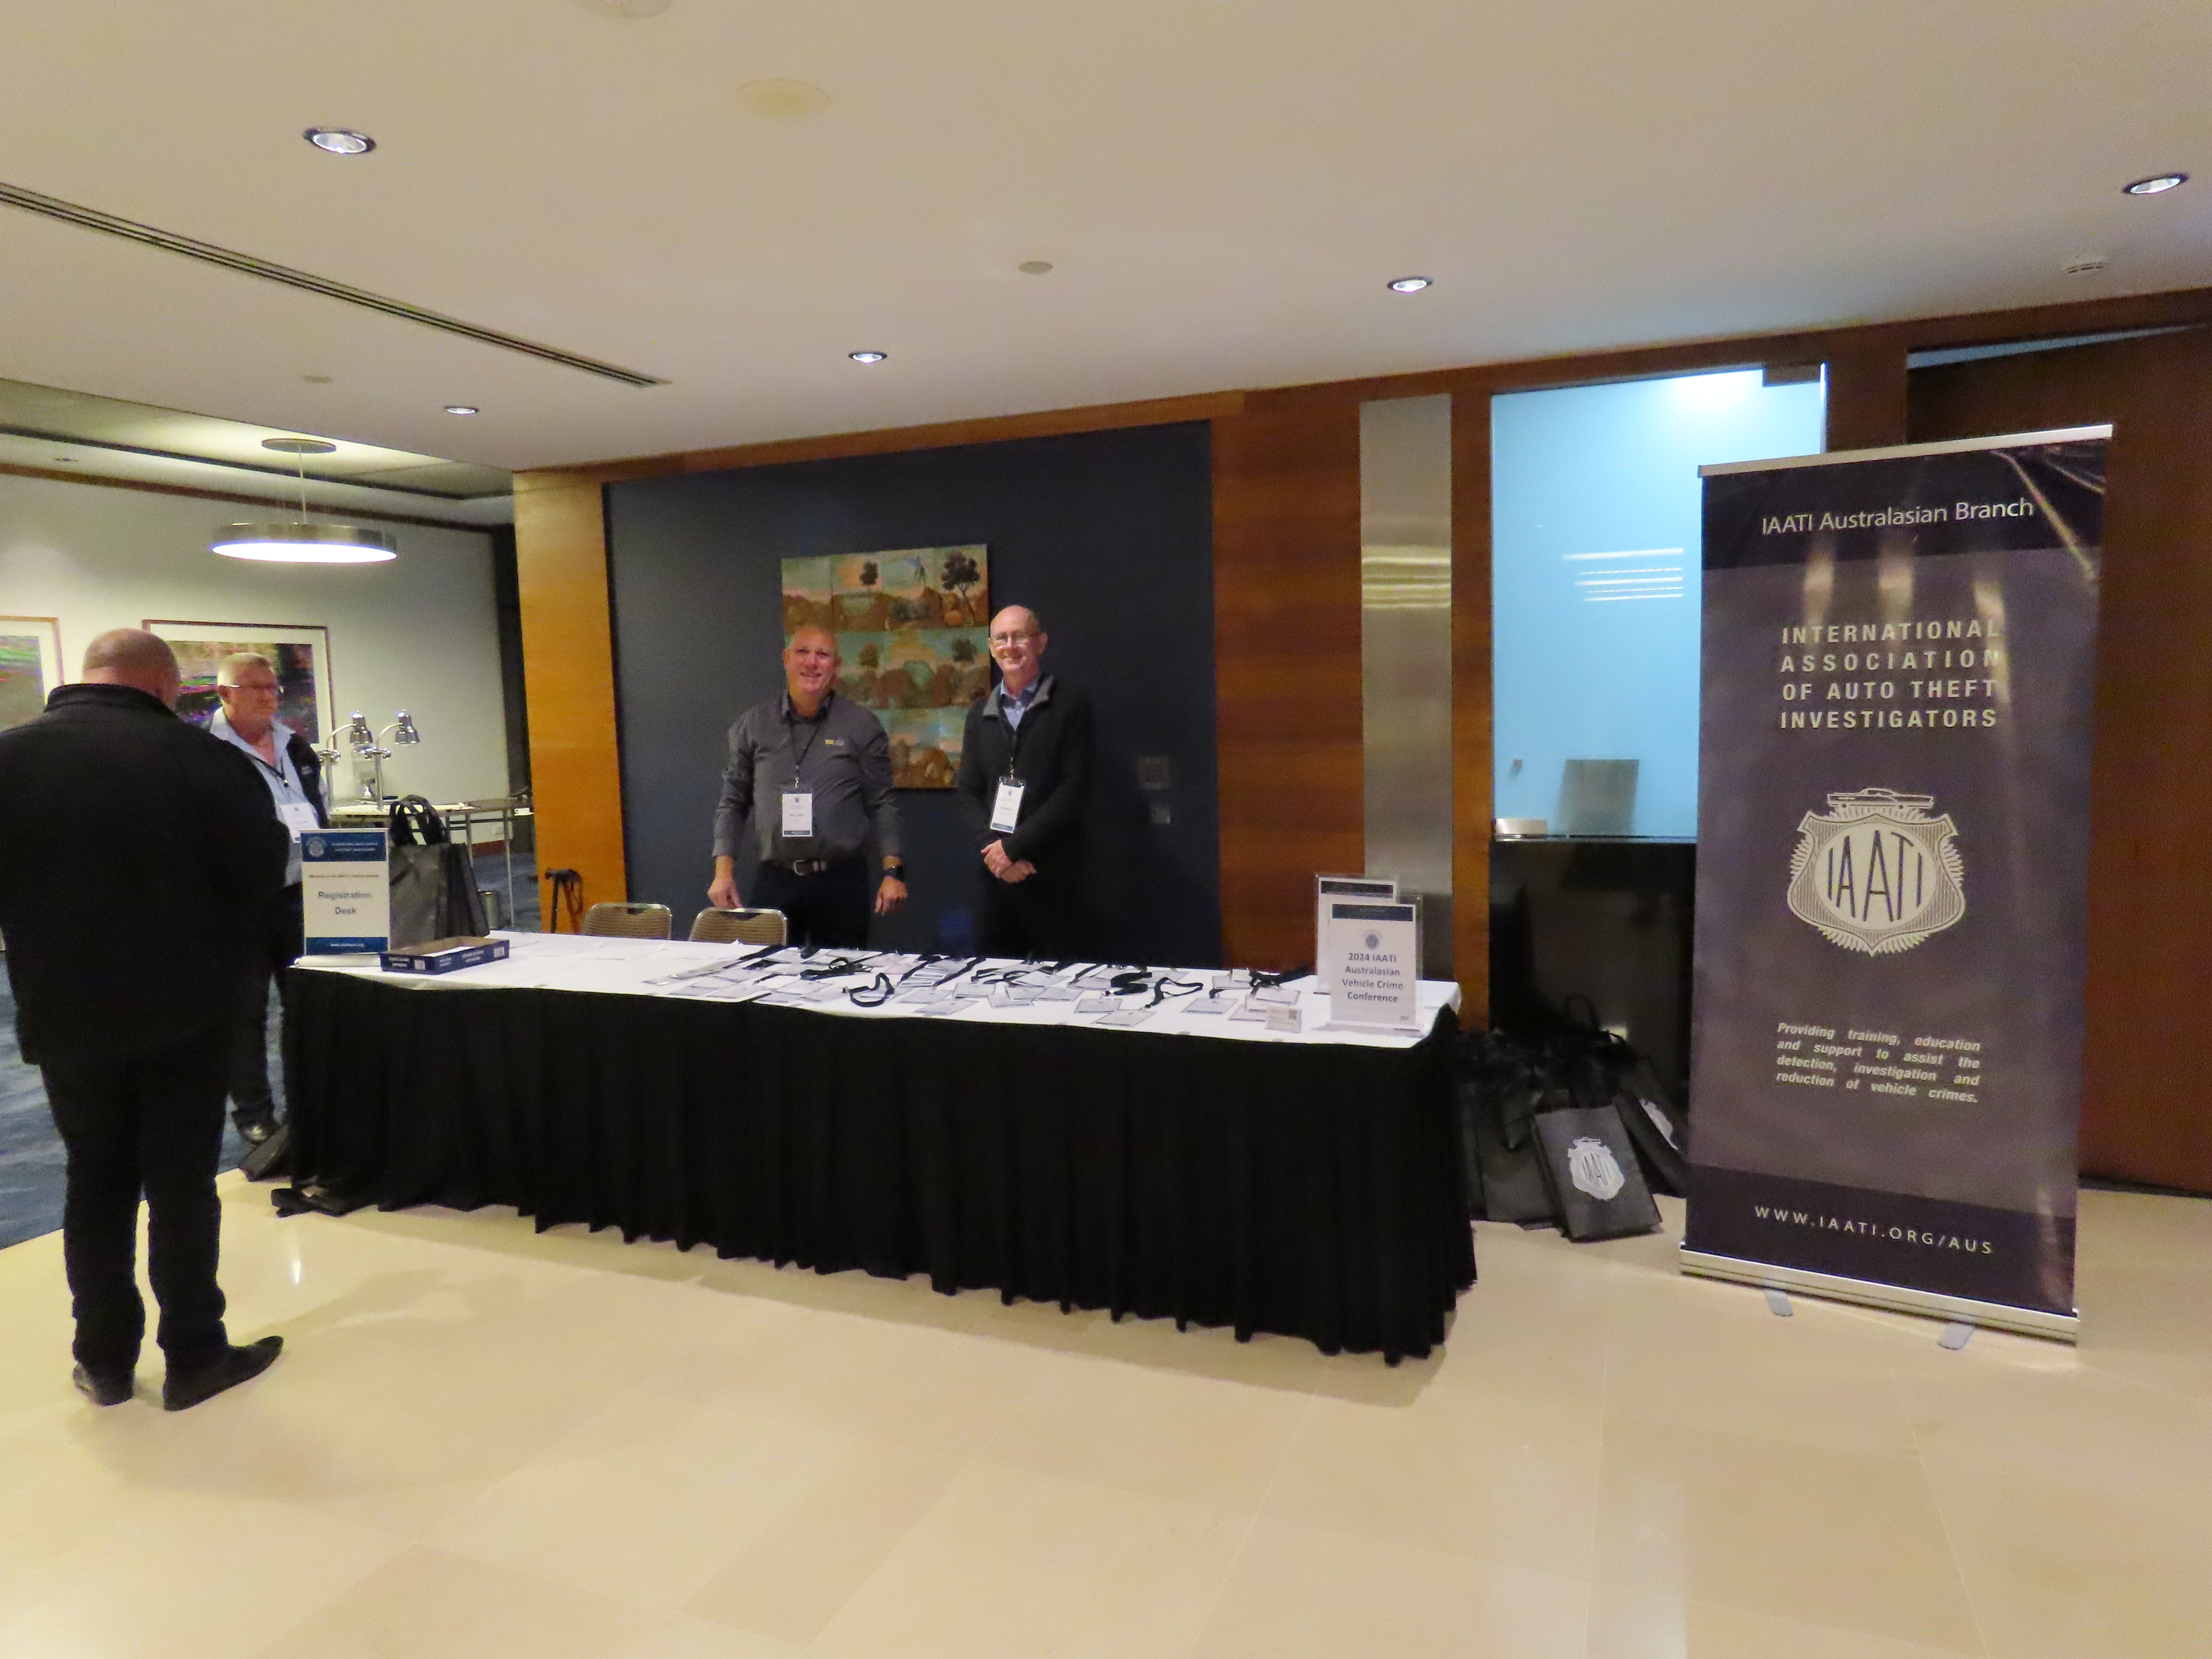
{"type": "Point", "coordinates": [630, 920]}
{"type": "Point", "coordinates": [739, 927]}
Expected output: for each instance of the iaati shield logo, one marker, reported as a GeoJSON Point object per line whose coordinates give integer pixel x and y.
{"type": "Point", "coordinates": [1593, 1168]}
{"type": "Point", "coordinates": [1876, 873]}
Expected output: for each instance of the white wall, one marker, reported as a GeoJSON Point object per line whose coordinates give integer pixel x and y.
{"type": "Point", "coordinates": [417, 633]}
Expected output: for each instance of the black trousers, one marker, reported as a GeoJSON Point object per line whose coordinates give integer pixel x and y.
{"type": "Point", "coordinates": [150, 1125]}
{"type": "Point", "coordinates": [831, 908]}
{"type": "Point", "coordinates": [1041, 918]}
{"type": "Point", "coordinates": [276, 942]}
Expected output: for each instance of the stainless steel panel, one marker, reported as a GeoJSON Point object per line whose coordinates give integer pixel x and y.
{"type": "Point", "coordinates": [1404, 514]}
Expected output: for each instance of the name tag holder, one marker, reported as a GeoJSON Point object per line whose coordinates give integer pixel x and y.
{"type": "Point", "coordinates": [798, 814]}
{"type": "Point", "coordinates": [1006, 809]}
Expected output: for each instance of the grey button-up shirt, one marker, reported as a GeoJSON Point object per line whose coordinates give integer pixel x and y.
{"type": "Point", "coordinates": [841, 757]}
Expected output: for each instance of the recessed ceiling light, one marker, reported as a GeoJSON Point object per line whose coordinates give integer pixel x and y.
{"type": "Point", "coordinates": [460, 408]}
{"type": "Point", "coordinates": [2158, 184]}
{"type": "Point", "coordinates": [338, 140]}
{"type": "Point", "coordinates": [1034, 267]}
{"type": "Point", "coordinates": [869, 357]}
{"type": "Point", "coordinates": [1408, 284]}
{"type": "Point", "coordinates": [2087, 264]}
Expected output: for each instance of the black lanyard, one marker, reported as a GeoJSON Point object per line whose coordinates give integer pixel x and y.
{"type": "Point", "coordinates": [1014, 728]}
{"type": "Point", "coordinates": [791, 738]}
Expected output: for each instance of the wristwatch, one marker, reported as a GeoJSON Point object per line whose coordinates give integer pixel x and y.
{"type": "Point", "coordinates": [895, 867]}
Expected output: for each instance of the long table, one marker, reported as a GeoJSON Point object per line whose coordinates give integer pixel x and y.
{"type": "Point", "coordinates": [1192, 1167]}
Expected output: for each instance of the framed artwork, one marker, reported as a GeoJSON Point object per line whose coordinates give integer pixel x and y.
{"type": "Point", "coordinates": [913, 630]}
{"type": "Point", "coordinates": [300, 651]}
{"type": "Point", "coordinates": [30, 666]}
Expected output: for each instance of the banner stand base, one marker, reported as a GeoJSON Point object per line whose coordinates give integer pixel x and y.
{"type": "Point", "coordinates": [1896, 1299]}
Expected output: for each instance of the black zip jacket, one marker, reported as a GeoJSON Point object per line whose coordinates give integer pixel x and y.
{"type": "Point", "coordinates": [1049, 753]}
{"type": "Point", "coordinates": [134, 850]}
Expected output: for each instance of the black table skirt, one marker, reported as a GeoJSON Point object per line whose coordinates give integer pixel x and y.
{"type": "Point", "coordinates": [1307, 1190]}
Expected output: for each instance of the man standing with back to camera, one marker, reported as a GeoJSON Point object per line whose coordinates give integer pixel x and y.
{"type": "Point", "coordinates": [813, 770]}
{"type": "Point", "coordinates": [1024, 780]}
{"type": "Point", "coordinates": [136, 853]}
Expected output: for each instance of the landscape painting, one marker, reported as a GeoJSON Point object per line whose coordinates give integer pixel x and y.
{"type": "Point", "coordinates": [912, 630]}
{"type": "Point", "coordinates": [925, 745]}
{"type": "Point", "coordinates": [299, 652]}
{"type": "Point", "coordinates": [30, 666]}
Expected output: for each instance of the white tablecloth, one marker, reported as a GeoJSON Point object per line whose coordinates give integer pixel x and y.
{"type": "Point", "coordinates": [672, 968]}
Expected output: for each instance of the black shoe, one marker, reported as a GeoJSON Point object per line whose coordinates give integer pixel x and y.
{"type": "Point", "coordinates": [255, 1130]}
{"type": "Point", "coordinates": [103, 1388]}
{"type": "Point", "coordinates": [181, 1392]}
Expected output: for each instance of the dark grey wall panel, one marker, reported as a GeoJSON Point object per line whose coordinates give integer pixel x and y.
{"type": "Point", "coordinates": [1108, 535]}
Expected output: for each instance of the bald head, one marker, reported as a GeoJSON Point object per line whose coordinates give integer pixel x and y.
{"type": "Point", "coordinates": [1018, 643]}
{"type": "Point", "coordinates": [810, 667]}
{"type": "Point", "coordinates": [133, 657]}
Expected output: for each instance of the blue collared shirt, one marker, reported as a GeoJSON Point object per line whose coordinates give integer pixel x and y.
{"type": "Point", "coordinates": [1014, 705]}
{"type": "Point", "coordinates": [282, 778]}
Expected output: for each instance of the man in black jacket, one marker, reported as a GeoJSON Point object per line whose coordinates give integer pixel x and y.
{"type": "Point", "coordinates": [134, 853]}
{"type": "Point", "coordinates": [289, 767]}
{"type": "Point", "coordinates": [1024, 780]}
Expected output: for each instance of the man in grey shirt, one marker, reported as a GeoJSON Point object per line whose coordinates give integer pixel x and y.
{"type": "Point", "coordinates": [812, 771]}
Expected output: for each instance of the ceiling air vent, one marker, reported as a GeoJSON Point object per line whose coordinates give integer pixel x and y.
{"type": "Point", "coordinates": [208, 253]}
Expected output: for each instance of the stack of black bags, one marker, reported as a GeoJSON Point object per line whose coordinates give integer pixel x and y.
{"type": "Point", "coordinates": [1567, 1125]}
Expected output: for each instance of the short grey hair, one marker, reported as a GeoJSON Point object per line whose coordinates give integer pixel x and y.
{"type": "Point", "coordinates": [237, 663]}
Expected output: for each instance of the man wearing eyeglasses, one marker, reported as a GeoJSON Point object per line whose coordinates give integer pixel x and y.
{"type": "Point", "coordinates": [246, 683]}
{"type": "Point", "coordinates": [1025, 780]}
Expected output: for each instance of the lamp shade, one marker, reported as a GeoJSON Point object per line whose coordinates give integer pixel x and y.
{"type": "Point", "coordinates": [298, 543]}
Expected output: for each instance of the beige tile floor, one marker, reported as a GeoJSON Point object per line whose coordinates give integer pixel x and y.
{"type": "Point", "coordinates": [484, 1442]}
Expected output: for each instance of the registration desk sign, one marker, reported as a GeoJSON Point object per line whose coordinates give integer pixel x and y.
{"type": "Point", "coordinates": [1372, 960]}
{"type": "Point", "coordinates": [345, 890]}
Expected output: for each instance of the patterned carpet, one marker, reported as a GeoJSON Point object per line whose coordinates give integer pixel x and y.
{"type": "Point", "coordinates": [30, 1160]}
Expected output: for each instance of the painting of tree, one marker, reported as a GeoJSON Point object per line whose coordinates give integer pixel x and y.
{"type": "Point", "coordinates": [909, 627]}
{"type": "Point", "coordinates": [961, 573]}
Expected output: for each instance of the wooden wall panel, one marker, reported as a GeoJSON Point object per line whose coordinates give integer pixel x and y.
{"type": "Point", "coordinates": [1866, 398]}
{"type": "Point", "coordinates": [568, 647]}
{"type": "Point", "coordinates": [1287, 667]}
{"type": "Point", "coordinates": [1472, 766]}
{"type": "Point", "coordinates": [2150, 905]}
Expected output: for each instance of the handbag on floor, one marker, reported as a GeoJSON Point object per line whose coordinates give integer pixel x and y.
{"type": "Point", "coordinates": [1597, 1185]}
{"type": "Point", "coordinates": [1500, 1092]}
{"type": "Point", "coordinates": [270, 1159]}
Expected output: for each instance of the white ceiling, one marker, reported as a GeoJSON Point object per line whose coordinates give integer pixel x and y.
{"type": "Point", "coordinates": [1224, 186]}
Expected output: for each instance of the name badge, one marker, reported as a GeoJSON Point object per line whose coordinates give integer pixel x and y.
{"type": "Point", "coordinates": [299, 818]}
{"type": "Point", "coordinates": [798, 813]}
{"type": "Point", "coordinates": [1006, 813]}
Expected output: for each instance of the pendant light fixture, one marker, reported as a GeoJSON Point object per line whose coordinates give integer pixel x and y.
{"type": "Point", "coordinates": [298, 541]}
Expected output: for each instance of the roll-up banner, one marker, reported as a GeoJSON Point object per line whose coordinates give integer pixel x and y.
{"type": "Point", "coordinates": [1893, 861]}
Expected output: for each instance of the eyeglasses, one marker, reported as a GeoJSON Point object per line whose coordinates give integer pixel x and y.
{"type": "Point", "coordinates": [1011, 639]}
